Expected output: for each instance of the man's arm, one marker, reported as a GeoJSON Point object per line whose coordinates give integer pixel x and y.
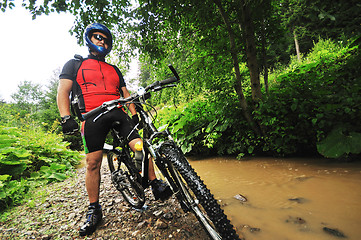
{"type": "Point", "coordinates": [62, 98]}
{"type": "Point", "coordinates": [130, 106]}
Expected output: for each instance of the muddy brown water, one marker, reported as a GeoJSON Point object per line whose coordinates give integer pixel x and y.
{"type": "Point", "coordinates": [287, 199]}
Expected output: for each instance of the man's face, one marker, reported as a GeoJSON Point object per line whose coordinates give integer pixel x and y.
{"type": "Point", "coordinates": [100, 39]}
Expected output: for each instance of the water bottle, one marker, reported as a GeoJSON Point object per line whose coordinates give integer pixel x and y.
{"type": "Point", "coordinates": [138, 155]}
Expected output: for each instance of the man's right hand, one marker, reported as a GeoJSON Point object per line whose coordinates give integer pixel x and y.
{"type": "Point", "coordinates": [69, 125]}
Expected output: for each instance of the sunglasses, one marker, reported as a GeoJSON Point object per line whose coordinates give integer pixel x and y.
{"type": "Point", "coordinates": [101, 38]}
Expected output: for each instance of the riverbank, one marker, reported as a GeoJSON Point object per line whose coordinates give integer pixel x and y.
{"type": "Point", "coordinates": [58, 210]}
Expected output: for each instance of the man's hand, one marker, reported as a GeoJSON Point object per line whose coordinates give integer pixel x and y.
{"type": "Point", "coordinates": [69, 125]}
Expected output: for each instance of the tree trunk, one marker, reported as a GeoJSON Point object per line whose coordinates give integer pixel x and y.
{"type": "Point", "coordinates": [238, 84]}
{"type": "Point", "coordinates": [297, 46]}
{"type": "Point", "coordinates": [264, 58]}
{"type": "Point", "coordinates": [251, 51]}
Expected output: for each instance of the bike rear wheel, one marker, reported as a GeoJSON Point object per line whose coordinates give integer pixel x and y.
{"type": "Point", "coordinates": [195, 196]}
{"type": "Point", "coordinates": [126, 179]}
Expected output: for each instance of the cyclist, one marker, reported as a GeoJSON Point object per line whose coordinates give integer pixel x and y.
{"type": "Point", "coordinates": [97, 82]}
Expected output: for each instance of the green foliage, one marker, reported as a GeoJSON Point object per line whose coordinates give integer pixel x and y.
{"type": "Point", "coordinates": [54, 172]}
{"type": "Point", "coordinates": [31, 153]}
{"type": "Point", "coordinates": [29, 157]}
{"type": "Point", "coordinates": [340, 142]}
{"type": "Point", "coordinates": [204, 127]}
{"type": "Point", "coordinates": [336, 20]}
{"type": "Point", "coordinates": [12, 192]}
{"type": "Point", "coordinates": [27, 97]}
{"type": "Point", "coordinates": [308, 99]}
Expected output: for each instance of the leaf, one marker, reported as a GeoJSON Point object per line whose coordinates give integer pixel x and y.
{"type": "Point", "coordinates": [250, 149]}
{"type": "Point", "coordinates": [294, 106]}
{"type": "Point", "coordinates": [14, 170]}
{"type": "Point", "coordinates": [163, 127]}
{"type": "Point", "coordinates": [339, 142]}
{"type": "Point", "coordinates": [186, 148]}
{"type": "Point", "coordinates": [21, 153]}
{"type": "Point", "coordinates": [10, 160]}
{"type": "Point", "coordinates": [58, 176]}
{"type": "Point", "coordinates": [179, 125]}
{"type": "Point", "coordinates": [2, 193]}
{"type": "Point", "coordinates": [211, 126]}
{"type": "Point", "coordinates": [6, 141]}
{"type": "Point", "coordinates": [5, 177]}
{"type": "Point", "coordinates": [35, 175]}
{"type": "Point", "coordinates": [55, 166]}
{"type": "Point", "coordinates": [223, 126]}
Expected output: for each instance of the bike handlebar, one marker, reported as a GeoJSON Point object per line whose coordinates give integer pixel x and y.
{"type": "Point", "coordinates": [158, 85]}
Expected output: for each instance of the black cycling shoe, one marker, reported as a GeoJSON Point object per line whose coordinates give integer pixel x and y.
{"type": "Point", "coordinates": [93, 218]}
{"type": "Point", "coordinates": [160, 190]}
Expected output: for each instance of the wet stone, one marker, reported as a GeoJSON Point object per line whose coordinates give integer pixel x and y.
{"type": "Point", "coordinates": [251, 229]}
{"type": "Point", "coordinates": [298, 200]}
{"type": "Point", "coordinates": [296, 220]}
{"type": "Point", "coordinates": [241, 198]}
{"type": "Point", "coordinates": [254, 230]}
{"type": "Point", "coordinates": [302, 178]}
{"type": "Point", "coordinates": [334, 232]}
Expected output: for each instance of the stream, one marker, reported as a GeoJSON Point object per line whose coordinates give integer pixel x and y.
{"type": "Point", "coordinates": [287, 199]}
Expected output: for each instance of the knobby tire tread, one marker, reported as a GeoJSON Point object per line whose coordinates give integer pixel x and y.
{"type": "Point", "coordinates": [206, 199]}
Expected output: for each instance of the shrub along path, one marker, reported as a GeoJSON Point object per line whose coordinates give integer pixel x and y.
{"type": "Point", "coordinates": [56, 211]}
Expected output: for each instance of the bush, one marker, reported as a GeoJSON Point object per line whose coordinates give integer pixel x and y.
{"type": "Point", "coordinates": [31, 155]}
{"type": "Point", "coordinates": [308, 101]}
{"type": "Point", "coordinates": [306, 104]}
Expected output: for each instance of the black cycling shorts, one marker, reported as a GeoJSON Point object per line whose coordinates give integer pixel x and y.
{"type": "Point", "coordinates": [94, 133]}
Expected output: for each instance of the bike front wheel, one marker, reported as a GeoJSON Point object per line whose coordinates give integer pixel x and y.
{"type": "Point", "coordinates": [126, 179]}
{"type": "Point", "coordinates": [195, 196]}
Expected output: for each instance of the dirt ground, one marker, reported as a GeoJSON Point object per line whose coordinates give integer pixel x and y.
{"type": "Point", "coordinates": [58, 210]}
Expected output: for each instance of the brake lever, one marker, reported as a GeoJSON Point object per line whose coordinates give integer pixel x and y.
{"type": "Point", "coordinates": [171, 85]}
{"type": "Point", "coordinates": [108, 109]}
{"type": "Point", "coordinates": [97, 117]}
{"type": "Point", "coordinates": [158, 88]}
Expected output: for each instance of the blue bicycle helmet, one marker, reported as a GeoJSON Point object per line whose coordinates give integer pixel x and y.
{"type": "Point", "coordinates": [98, 27]}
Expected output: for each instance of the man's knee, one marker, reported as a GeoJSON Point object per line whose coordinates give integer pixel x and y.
{"type": "Point", "coordinates": [94, 161]}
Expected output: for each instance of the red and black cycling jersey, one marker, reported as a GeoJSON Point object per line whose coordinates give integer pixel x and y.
{"type": "Point", "coordinates": [94, 82]}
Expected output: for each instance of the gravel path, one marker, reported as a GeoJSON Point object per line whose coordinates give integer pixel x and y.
{"type": "Point", "coordinates": [57, 211]}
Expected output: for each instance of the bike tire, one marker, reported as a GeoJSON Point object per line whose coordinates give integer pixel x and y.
{"type": "Point", "coordinates": [126, 179]}
{"type": "Point", "coordinates": [196, 196]}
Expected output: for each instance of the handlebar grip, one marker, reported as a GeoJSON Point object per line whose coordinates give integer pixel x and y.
{"type": "Point", "coordinates": [168, 80]}
{"type": "Point", "coordinates": [93, 112]}
{"type": "Point", "coordinates": [174, 71]}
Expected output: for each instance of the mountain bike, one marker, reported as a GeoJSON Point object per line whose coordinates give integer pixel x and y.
{"type": "Point", "coordinates": [130, 176]}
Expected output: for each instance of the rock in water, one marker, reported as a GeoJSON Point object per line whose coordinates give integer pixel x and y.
{"type": "Point", "coordinates": [334, 232]}
{"type": "Point", "coordinates": [240, 198]}
{"type": "Point", "coordinates": [298, 200]}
